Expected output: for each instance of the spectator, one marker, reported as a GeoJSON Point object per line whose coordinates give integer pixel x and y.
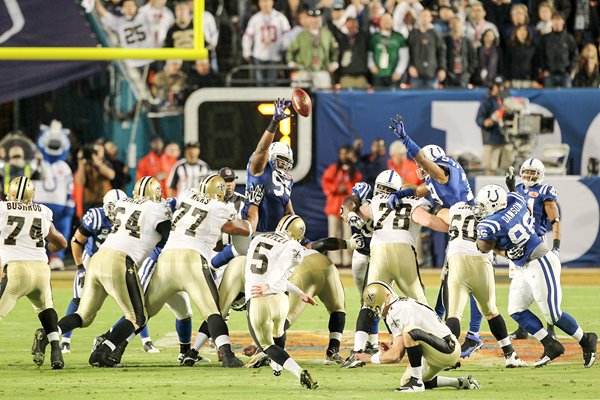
{"type": "Point", "coordinates": [544, 24]}
{"type": "Point", "coordinates": [114, 7]}
{"type": "Point", "coordinates": [261, 42]}
{"type": "Point", "coordinates": [94, 174]}
{"type": "Point", "coordinates": [427, 54]}
{"type": "Point", "coordinates": [399, 162]}
{"type": "Point", "coordinates": [156, 163]}
{"type": "Point", "coordinates": [337, 182]}
{"type": "Point", "coordinates": [497, 11]}
{"type": "Point", "coordinates": [370, 165]}
{"type": "Point", "coordinates": [461, 58]}
{"type": "Point", "coordinates": [187, 172]}
{"type": "Point", "coordinates": [159, 20]}
{"type": "Point", "coordinates": [442, 23]}
{"type": "Point", "coordinates": [290, 9]}
{"type": "Point", "coordinates": [122, 177]}
{"type": "Point", "coordinates": [181, 34]}
{"type": "Point", "coordinates": [357, 9]}
{"type": "Point", "coordinates": [489, 56]}
{"type": "Point", "coordinates": [587, 71]}
{"type": "Point", "coordinates": [316, 50]}
{"type": "Point", "coordinates": [405, 15]}
{"type": "Point", "coordinates": [170, 85]}
{"type": "Point", "coordinates": [520, 58]}
{"type": "Point", "coordinates": [338, 15]}
{"type": "Point", "coordinates": [496, 153]}
{"type": "Point", "coordinates": [201, 76]}
{"type": "Point", "coordinates": [301, 24]}
{"type": "Point", "coordinates": [518, 16]}
{"type": "Point", "coordinates": [388, 54]}
{"type": "Point", "coordinates": [558, 55]}
{"type": "Point", "coordinates": [211, 37]}
{"type": "Point", "coordinates": [477, 25]}
{"type": "Point", "coordinates": [352, 55]}
{"type": "Point", "coordinates": [376, 11]}
{"type": "Point", "coordinates": [586, 27]}
{"type": "Point", "coordinates": [561, 6]}
{"type": "Point", "coordinates": [17, 165]}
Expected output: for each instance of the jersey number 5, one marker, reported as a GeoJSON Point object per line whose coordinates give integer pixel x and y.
{"type": "Point", "coordinates": [258, 265]}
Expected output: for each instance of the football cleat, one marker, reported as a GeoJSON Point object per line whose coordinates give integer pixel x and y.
{"type": "Point", "coordinates": [276, 368]}
{"type": "Point", "coordinates": [38, 350]}
{"type": "Point", "coordinates": [589, 350]}
{"type": "Point", "coordinates": [258, 360]}
{"type": "Point", "coordinates": [513, 361]}
{"type": "Point", "coordinates": [98, 340]}
{"type": "Point", "coordinates": [412, 386]}
{"type": "Point", "coordinates": [552, 351]}
{"type": "Point", "coordinates": [231, 361]}
{"type": "Point", "coordinates": [550, 329]}
{"type": "Point", "coordinates": [117, 354]}
{"type": "Point", "coordinates": [101, 357]}
{"type": "Point", "coordinates": [519, 334]}
{"type": "Point", "coordinates": [352, 362]}
{"type": "Point", "coordinates": [65, 347]}
{"type": "Point", "coordinates": [190, 358]}
{"type": "Point", "coordinates": [56, 357]}
{"type": "Point", "coordinates": [471, 344]}
{"type": "Point", "coordinates": [150, 348]}
{"type": "Point", "coordinates": [334, 359]}
{"type": "Point", "coordinates": [371, 349]}
{"type": "Point", "coordinates": [307, 381]}
{"type": "Point", "coordinates": [468, 383]}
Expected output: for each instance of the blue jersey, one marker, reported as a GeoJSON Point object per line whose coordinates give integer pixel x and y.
{"type": "Point", "coordinates": [278, 188]}
{"type": "Point", "coordinates": [535, 197]}
{"type": "Point", "coordinates": [512, 229]}
{"type": "Point", "coordinates": [96, 226]}
{"type": "Point", "coordinates": [367, 234]}
{"type": "Point", "coordinates": [455, 190]}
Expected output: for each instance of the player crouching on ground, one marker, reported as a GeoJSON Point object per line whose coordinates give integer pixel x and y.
{"type": "Point", "coordinates": [416, 330]}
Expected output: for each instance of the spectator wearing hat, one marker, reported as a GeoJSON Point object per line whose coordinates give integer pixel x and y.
{"type": "Point", "coordinates": [399, 162]}
{"type": "Point", "coordinates": [156, 163]}
{"type": "Point", "coordinates": [187, 172]}
{"type": "Point", "coordinates": [231, 196]}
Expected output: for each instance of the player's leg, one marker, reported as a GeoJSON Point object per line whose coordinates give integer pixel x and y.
{"type": "Point", "coordinates": [458, 292]}
{"type": "Point", "coordinates": [401, 262]}
{"type": "Point", "coordinates": [442, 298]}
{"type": "Point", "coordinates": [520, 332]}
{"type": "Point", "coordinates": [180, 305]}
{"type": "Point", "coordinates": [333, 297]}
{"type": "Point", "coordinates": [360, 267]}
{"type": "Point", "coordinates": [12, 288]}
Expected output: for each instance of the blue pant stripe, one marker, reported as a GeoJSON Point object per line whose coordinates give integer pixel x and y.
{"type": "Point", "coordinates": [549, 287]}
{"type": "Point", "coordinates": [556, 283]}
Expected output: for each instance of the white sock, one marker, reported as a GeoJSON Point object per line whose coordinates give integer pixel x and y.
{"type": "Point", "coordinates": [200, 340]}
{"type": "Point", "coordinates": [578, 335]}
{"type": "Point", "coordinates": [360, 340]}
{"type": "Point", "coordinates": [504, 342]}
{"type": "Point", "coordinates": [417, 372]}
{"type": "Point", "coordinates": [335, 335]}
{"type": "Point", "coordinates": [52, 336]}
{"type": "Point", "coordinates": [293, 367]}
{"type": "Point", "coordinates": [221, 340]}
{"type": "Point", "coordinates": [444, 381]}
{"type": "Point", "coordinates": [374, 339]}
{"type": "Point", "coordinates": [144, 340]}
{"type": "Point", "coordinates": [130, 338]}
{"type": "Point", "coordinates": [110, 344]}
{"type": "Point", "coordinates": [539, 335]}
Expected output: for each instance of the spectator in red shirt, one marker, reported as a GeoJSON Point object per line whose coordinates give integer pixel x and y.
{"type": "Point", "coordinates": [406, 168]}
{"type": "Point", "coordinates": [156, 163]}
{"type": "Point", "coordinates": [337, 182]}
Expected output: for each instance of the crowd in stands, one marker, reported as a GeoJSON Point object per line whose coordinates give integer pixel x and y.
{"type": "Point", "coordinates": [363, 44]}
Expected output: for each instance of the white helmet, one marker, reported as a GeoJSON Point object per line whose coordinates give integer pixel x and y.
{"type": "Point", "coordinates": [109, 200]}
{"type": "Point", "coordinates": [281, 156]}
{"type": "Point", "coordinates": [490, 199]}
{"type": "Point", "coordinates": [432, 152]}
{"type": "Point", "coordinates": [387, 182]}
{"type": "Point", "coordinates": [532, 172]}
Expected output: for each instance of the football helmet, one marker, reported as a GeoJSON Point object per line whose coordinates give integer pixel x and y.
{"type": "Point", "coordinates": [293, 225]}
{"type": "Point", "coordinates": [432, 152]}
{"type": "Point", "coordinates": [387, 182]}
{"type": "Point", "coordinates": [22, 189]}
{"type": "Point", "coordinates": [147, 187]}
{"type": "Point", "coordinates": [490, 199]}
{"type": "Point", "coordinates": [213, 186]}
{"type": "Point", "coordinates": [532, 172]}
{"type": "Point", "coordinates": [281, 157]}
{"type": "Point", "coordinates": [109, 200]}
{"type": "Point", "coordinates": [377, 295]}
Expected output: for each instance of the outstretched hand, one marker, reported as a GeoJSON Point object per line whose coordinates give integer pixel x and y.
{"type": "Point", "coordinates": [397, 126]}
{"type": "Point", "coordinates": [281, 110]}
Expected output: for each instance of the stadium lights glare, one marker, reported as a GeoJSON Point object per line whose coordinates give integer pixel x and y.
{"type": "Point", "coordinates": [111, 53]}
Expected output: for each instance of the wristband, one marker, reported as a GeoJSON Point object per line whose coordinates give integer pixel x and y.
{"type": "Point", "coordinates": [556, 244]}
{"type": "Point", "coordinates": [80, 266]}
{"type": "Point", "coordinates": [272, 128]}
{"type": "Point", "coordinates": [350, 244]}
{"type": "Point", "coordinates": [376, 358]}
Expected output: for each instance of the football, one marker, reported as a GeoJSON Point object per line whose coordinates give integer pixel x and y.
{"type": "Point", "coordinates": [301, 102]}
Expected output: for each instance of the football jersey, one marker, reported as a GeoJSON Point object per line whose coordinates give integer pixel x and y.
{"type": "Point", "coordinates": [406, 312]}
{"type": "Point", "coordinates": [463, 231]}
{"type": "Point", "coordinates": [132, 33]}
{"type": "Point", "coordinates": [197, 223]}
{"type": "Point", "coordinates": [366, 231]}
{"type": "Point", "coordinates": [57, 185]}
{"type": "Point", "coordinates": [159, 20]}
{"type": "Point", "coordinates": [271, 259]}
{"type": "Point", "coordinates": [395, 226]}
{"type": "Point", "coordinates": [96, 227]}
{"type": "Point", "coordinates": [512, 229]}
{"type": "Point", "coordinates": [23, 231]}
{"type": "Point", "coordinates": [277, 191]}
{"type": "Point", "coordinates": [263, 36]}
{"type": "Point", "coordinates": [456, 189]}
{"type": "Point", "coordinates": [134, 227]}
{"type": "Point", "coordinates": [535, 197]}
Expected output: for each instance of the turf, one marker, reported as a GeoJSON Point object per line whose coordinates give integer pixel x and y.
{"type": "Point", "coordinates": [157, 376]}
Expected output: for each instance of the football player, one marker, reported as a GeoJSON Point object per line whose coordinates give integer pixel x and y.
{"type": "Point", "coordinates": [25, 228]}
{"type": "Point", "coordinates": [271, 260]}
{"type": "Point", "coordinates": [417, 331]}
{"type": "Point", "coordinates": [542, 202]}
{"type": "Point", "coordinates": [506, 227]}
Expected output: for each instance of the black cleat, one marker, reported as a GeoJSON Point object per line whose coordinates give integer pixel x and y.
{"type": "Point", "coordinates": [371, 349]}
{"type": "Point", "coordinates": [551, 352]}
{"type": "Point", "coordinates": [101, 357]}
{"type": "Point", "coordinates": [117, 353]}
{"type": "Point", "coordinates": [38, 350]}
{"type": "Point", "coordinates": [519, 334]}
{"type": "Point", "coordinates": [589, 350]}
{"type": "Point", "coordinates": [550, 329]}
{"type": "Point", "coordinates": [412, 386]}
{"type": "Point", "coordinates": [307, 381]}
{"type": "Point", "coordinates": [352, 362]}
{"type": "Point", "coordinates": [231, 361]}
{"type": "Point", "coordinates": [56, 357]}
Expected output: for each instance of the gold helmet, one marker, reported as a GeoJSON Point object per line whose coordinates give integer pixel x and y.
{"type": "Point", "coordinates": [293, 225]}
{"type": "Point", "coordinates": [21, 188]}
{"type": "Point", "coordinates": [213, 186]}
{"type": "Point", "coordinates": [147, 187]}
{"type": "Point", "coordinates": [377, 295]}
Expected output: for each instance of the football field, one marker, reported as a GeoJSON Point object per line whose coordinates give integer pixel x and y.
{"type": "Point", "coordinates": [158, 376]}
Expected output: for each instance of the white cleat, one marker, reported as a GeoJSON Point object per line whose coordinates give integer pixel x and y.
{"type": "Point", "coordinates": [468, 383]}
{"type": "Point", "coordinates": [150, 348]}
{"type": "Point", "coordinates": [513, 361]}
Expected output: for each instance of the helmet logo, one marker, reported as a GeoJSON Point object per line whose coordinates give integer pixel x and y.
{"type": "Point", "coordinates": [497, 196]}
{"type": "Point", "coordinates": [371, 297]}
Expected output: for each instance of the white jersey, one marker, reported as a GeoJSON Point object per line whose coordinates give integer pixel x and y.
{"type": "Point", "coordinates": [57, 185]}
{"type": "Point", "coordinates": [463, 231]}
{"type": "Point", "coordinates": [262, 39]}
{"type": "Point", "coordinates": [211, 32]}
{"type": "Point", "coordinates": [407, 312]}
{"type": "Point", "coordinates": [134, 227]}
{"type": "Point", "coordinates": [197, 223]}
{"type": "Point", "coordinates": [132, 33]}
{"type": "Point", "coordinates": [23, 231]}
{"type": "Point", "coordinates": [395, 226]}
{"type": "Point", "coordinates": [271, 259]}
{"type": "Point", "coordinates": [159, 20]}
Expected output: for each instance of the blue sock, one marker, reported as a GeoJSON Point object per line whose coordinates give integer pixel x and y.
{"type": "Point", "coordinates": [70, 310]}
{"type": "Point", "coordinates": [528, 320]}
{"type": "Point", "coordinates": [184, 330]}
{"type": "Point", "coordinates": [145, 332]}
{"type": "Point", "coordinates": [439, 306]}
{"type": "Point", "coordinates": [375, 327]}
{"type": "Point", "coordinates": [223, 257]}
{"type": "Point", "coordinates": [118, 322]}
{"type": "Point", "coordinates": [567, 323]}
{"type": "Point", "coordinates": [476, 316]}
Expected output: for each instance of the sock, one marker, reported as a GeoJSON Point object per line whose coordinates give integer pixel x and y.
{"type": "Point", "coordinates": [498, 329]}
{"type": "Point", "coordinates": [201, 336]}
{"type": "Point", "coordinates": [49, 320]}
{"type": "Point", "coordinates": [360, 340]}
{"type": "Point", "coordinates": [223, 257]}
{"type": "Point", "coordinates": [364, 322]}
{"type": "Point", "coordinates": [117, 323]}
{"type": "Point", "coordinates": [476, 316]}
{"type": "Point", "coordinates": [145, 334]}
{"type": "Point", "coordinates": [66, 339]}
{"type": "Point", "coordinates": [69, 322]}
{"type": "Point", "coordinates": [547, 340]}
{"type": "Point", "coordinates": [415, 356]}
{"type": "Point", "coordinates": [293, 367]}
{"type": "Point", "coordinates": [568, 324]}
{"type": "Point", "coordinates": [528, 320]}
{"type": "Point", "coordinates": [374, 336]}
{"type": "Point", "coordinates": [120, 332]}
{"type": "Point", "coordinates": [53, 336]}
{"type": "Point", "coordinates": [184, 332]}
{"type": "Point", "coordinates": [440, 310]}
{"type": "Point", "coordinates": [73, 306]}
{"type": "Point", "coordinates": [337, 322]}
{"type": "Point", "coordinates": [280, 341]}
{"type": "Point", "coordinates": [444, 381]}
{"type": "Point", "coordinates": [130, 338]}
{"type": "Point", "coordinates": [584, 338]}
{"type": "Point", "coordinates": [541, 334]}
{"type": "Point", "coordinates": [454, 324]}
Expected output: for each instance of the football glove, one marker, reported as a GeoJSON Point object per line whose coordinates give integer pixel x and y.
{"type": "Point", "coordinates": [556, 247]}
{"type": "Point", "coordinates": [511, 179]}
{"type": "Point", "coordinates": [80, 275]}
{"type": "Point", "coordinates": [355, 221]}
{"type": "Point", "coordinates": [256, 194]}
{"type": "Point", "coordinates": [280, 110]}
{"type": "Point", "coordinates": [359, 240]}
{"type": "Point", "coordinates": [394, 199]}
{"type": "Point", "coordinates": [397, 127]}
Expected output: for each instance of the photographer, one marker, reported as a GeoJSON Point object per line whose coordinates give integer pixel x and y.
{"type": "Point", "coordinates": [94, 174]}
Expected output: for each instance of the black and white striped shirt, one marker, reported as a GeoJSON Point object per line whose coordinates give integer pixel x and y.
{"type": "Point", "coordinates": [184, 175]}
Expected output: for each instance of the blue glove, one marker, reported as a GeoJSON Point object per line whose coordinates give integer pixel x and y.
{"type": "Point", "coordinates": [361, 190]}
{"type": "Point", "coordinates": [397, 126]}
{"type": "Point", "coordinates": [280, 110]}
{"type": "Point", "coordinates": [155, 253]}
{"type": "Point", "coordinates": [394, 199]}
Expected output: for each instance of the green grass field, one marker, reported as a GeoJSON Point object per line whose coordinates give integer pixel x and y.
{"type": "Point", "coordinates": [158, 376]}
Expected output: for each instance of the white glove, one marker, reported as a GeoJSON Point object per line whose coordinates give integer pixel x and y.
{"type": "Point", "coordinates": [355, 221]}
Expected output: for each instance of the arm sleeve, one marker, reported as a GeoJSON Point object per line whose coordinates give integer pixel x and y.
{"type": "Point", "coordinates": [248, 39]}
{"type": "Point", "coordinates": [549, 193]}
{"type": "Point", "coordinates": [294, 289]}
{"type": "Point", "coordinates": [164, 228]}
{"type": "Point", "coordinates": [110, 21]}
{"type": "Point", "coordinates": [487, 230]}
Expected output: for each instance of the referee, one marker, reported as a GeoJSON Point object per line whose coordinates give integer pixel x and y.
{"type": "Point", "coordinates": [188, 171]}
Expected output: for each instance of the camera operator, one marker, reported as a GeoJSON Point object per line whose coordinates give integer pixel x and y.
{"type": "Point", "coordinates": [94, 174]}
